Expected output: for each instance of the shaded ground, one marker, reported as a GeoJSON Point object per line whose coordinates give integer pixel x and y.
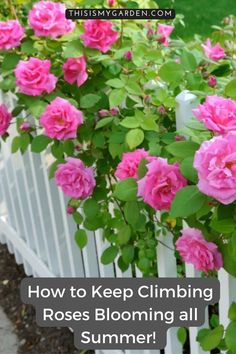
{"type": "Point", "coordinates": [32, 339]}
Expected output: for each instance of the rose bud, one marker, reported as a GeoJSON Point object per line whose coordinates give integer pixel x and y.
{"type": "Point", "coordinates": [212, 81]}
{"type": "Point", "coordinates": [70, 209]}
{"type": "Point", "coordinates": [161, 109]}
{"type": "Point", "coordinates": [25, 126]}
{"type": "Point", "coordinates": [114, 111]}
{"type": "Point", "coordinates": [103, 113]}
{"type": "Point", "coordinates": [128, 55]}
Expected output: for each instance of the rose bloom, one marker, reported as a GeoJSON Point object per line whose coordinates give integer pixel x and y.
{"type": "Point", "coordinates": [128, 167]}
{"type": "Point", "coordinates": [61, 119]}
{"type": "Point", "coordinates": [47, 19]}
{"type": "Point", "coordinates": [194, 249]}
{"type": "Point", "coordinates": [33, 77]}
{"type": "Point", "coordinates": [75, 70]}
{"type": "Point", "coordinates": [217, 114]}
{"type": "Point", "coordinates": [215, 163]}
{"type": "Point", "coordinates": [99, 35]}
{"type": "Point", "coordinates": [160, 184]}
{"type": "Point", "coordinates": [11, 34]}
{"type": "Point", "coordinates": [76, 180]}
{"type": "Point", "coordinates": [214, 53]}
{"type": "Point", "coordinates": [164, 31]}
{"type": "Point", "coordinates": [5, 119]}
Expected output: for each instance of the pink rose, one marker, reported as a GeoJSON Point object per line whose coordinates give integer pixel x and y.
{"type": "Point", "coordinates": [194, 249]}
{"type": "Point", "coordinates": [128, 167]}
{"type": "Point", "coordinates": [76, 180]}
{"type": "Point", "coordinates": [164, 31]}
{"type": "Point", "coordinates": [47, 18]}
{"type": "Point", "coordinates": [5, 119]}
{"type": "Point", "coordinates": [214, 53]}
{"type": "Point", "coordinates": [33, 77]}
{"type": "Point", "coordinates": [61, 119]}
{"type": "Point", "coordinates": [215, 162]}
{"type": "Point", "coordinates": [99, 35]}
{"type": "Point", "coordinates": [75, 70]}
{"type": "Point", "coordinates": [217, 114]}
{"type": "Point", "coordinates": [11, 34]}
{"type": "Point", "coordinates": [160, 184]}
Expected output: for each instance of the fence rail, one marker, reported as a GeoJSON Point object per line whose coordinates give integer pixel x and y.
{"type": "Point", "coordinates": [35, 227]}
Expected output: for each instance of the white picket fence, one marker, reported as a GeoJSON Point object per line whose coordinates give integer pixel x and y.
{"type": "Point", "coordinates": [36, 228]}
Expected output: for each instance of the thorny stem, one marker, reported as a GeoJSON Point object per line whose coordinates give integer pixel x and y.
{"type": "Point", "coordinates": [12, 9]}
{"type": "Point", "coordinates": [118, 204]}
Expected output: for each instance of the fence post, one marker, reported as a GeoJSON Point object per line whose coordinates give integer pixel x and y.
{"type": "Point", "coordinates": [185, 102]}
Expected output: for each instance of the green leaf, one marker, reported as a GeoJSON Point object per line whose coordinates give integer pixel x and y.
{"type": "Point", "coordinates": [229, 260]}
{"type": "Point", "coordinates": [187, 201]}
{"type": "Point", "coordinates": [123, 235]}
{"type": "Point", "coordinates": [81, 238]}
{"type": "Point", "coordinates": [77, 218]}
{"type": "Point", "coordinates": [221, 70]}
{"type": "Point", "coordinates": [130, 122]}
{"type": "Point", "coordinates": [116, 83]}
{"type": "Point", "coordinates": [91, 208]}
{"type": "Point", "coordinates": [103, 122]}
{"type": "Point", "coordinates": [15, 144]}
{"type": "Point", "coordinates": [232, 312]}
{"type": "Point", "coordinates": [230, 89]}
{"type": "Point", "coordinates": [171, 72]}
{"type": "Point", "coordinates": [132, 212]}
{"type": "Point", "coordinates": [89, 100]}
{"type": "Point", "coordinates": [212, 338]}
{"type": "Point", "coordinates": [40, 143]}
{"type": "Point", "coordinates": [188, 60]}
{"type": "Point", "coordinates": [126, 190]}
{"type": "Point", "coordinates": [73, 49]}
{"type": "Point", "coordinates": [24, 142]}
{"type": "Point", "coordinates": [142, 168]}
{"type": "Point", "coordinates": [128, 254]}
{"type": "Point", "coordinates": [28, 47]}
{"type": "Point", "coordinates": [10, 61]}
{"type": "Point", "coordinates": [133, 88]}
{"type": "Point", "coordinates": [182, 335]}
{"type": "Point", "coordinates": [34, 104]}
{"type": "Point", "coordinates": [109, 255]}
{"type": "Point", "coordinates": [134, 138]}
{"type": "Point", "coordinates": [116, 97]}
{"type": "Point", "coordinates": [230, 336]}
{"type": "Point", "coordinates": [187, 169]}
{"type": "Point", "coordinates": [182, 149]}
{"type": "Point", "coordinates": [225, 226]}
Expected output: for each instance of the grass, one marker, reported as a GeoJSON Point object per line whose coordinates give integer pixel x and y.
{"type": "Point", "coordinates": [200, 15]}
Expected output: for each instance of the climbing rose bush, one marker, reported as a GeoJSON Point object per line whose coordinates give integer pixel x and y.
{"type": "Point", "coordinates": [5, 119]}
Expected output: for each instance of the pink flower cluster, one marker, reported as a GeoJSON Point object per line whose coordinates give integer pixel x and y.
{"type": "Point", "coordinates": [75, 70]}
{"type": "Point", "coordinates": [33, 77]}
{"type": "Point", "coordinates": [47, 19]}
{"type": "Point", "coordinates": [11, 34]}
{"type": "Point", "coordinates": [76, 180]}
{"type": "Point", "coordinates": [215, 162]}
{"type": "Point", "coordinates": [61, 119]}
{"type": "Point", "coordinates": [194, 249]}
{"type": "Point", "coordinates": [215, 52]}
{"type": "Point", "coordinates": [128, 167]}
{"type": "Point", "coordinates": [160, 184]}
{"type": "Point", "coordinates": [5, 119]}
{"type": "Point", "coordinates": [99, 35]}
{"type": "Point", "coordinates": [218, 114]}
{"type": "Point", "coordinates": [164, 31]}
